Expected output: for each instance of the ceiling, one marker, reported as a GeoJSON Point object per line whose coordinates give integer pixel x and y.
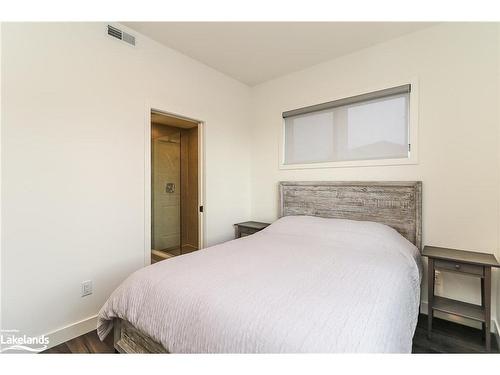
{"type": "Point", "coordinates": [255, 52]}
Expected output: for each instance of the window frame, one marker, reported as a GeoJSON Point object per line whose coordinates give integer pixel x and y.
{"type": "Point", "coordinates": [412, 134]}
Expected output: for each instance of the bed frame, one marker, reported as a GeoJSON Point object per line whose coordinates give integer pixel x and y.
{"type": "Point", "coordinates": [396, 204]}
{"type": "Point", "coordinates": [128, 339]}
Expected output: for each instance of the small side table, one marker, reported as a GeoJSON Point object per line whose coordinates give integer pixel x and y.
{"type": "Point", "coordinates": [466, 263]}
{"type": "Point", "coordinates": [248, 227]}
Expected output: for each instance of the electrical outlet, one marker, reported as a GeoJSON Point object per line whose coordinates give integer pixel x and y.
{"type": "Point", "coordinates": [87, 288]}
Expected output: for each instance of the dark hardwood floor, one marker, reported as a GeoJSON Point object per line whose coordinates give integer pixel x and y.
{"type": "Point", "coordinates": [447, 337]}
{"type": "Point", "coordinates": [87, 343]}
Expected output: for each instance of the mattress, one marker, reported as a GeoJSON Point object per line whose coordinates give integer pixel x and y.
{"type": "Point", "coordinates": [302, 285]}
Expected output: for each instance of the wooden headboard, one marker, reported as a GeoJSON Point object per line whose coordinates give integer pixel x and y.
{"type": "Point", "coordinates": [396, 204]}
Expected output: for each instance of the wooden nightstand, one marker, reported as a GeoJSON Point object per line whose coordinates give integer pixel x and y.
{"type": "Point", "coordinates": [466, 263]}
{"type": "Point", "coordinates": [247, 228]}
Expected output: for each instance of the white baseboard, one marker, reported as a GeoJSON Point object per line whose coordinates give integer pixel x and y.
{"type": "Point", "coordinates": [71, 331]}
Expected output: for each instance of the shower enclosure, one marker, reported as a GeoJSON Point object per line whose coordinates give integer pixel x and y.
{"type": "Point", "coordinates": [174, 187]}
{"type": "Point", "coordinates": [166, 205]}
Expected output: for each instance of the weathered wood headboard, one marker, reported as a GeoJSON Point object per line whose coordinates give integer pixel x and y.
{"type": "Point", "coordinates": [397, 204]}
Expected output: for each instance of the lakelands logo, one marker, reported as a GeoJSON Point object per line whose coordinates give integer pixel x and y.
{"type": "Point", "coordinates": [11, 340]}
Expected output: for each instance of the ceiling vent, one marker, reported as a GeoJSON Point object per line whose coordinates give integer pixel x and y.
{"type": "Point", "coordinates": [118, 34]}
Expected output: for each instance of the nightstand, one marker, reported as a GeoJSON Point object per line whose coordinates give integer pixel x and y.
{"type": "Point", "coordinates": [247, 228]}
{"type": "Point", "coordinates": [467, 263]}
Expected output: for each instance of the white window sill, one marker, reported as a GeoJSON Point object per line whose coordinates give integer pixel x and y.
{"type": "Point", "coordinates": [349, 164]}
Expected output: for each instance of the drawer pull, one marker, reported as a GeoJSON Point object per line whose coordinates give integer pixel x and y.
{"type": "Point", "coordinates": [459, 267]}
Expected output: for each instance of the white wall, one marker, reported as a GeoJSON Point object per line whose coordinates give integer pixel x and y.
{"type": "Point", "coordinates": [73, 151]}
{"type": "Point", "coordinates": [457, 70]}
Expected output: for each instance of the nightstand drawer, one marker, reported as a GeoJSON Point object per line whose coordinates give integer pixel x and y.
{"type": "Point", "coordinates": [247, 228]}
{"type": "Point", "coordinates": [459, 267]}
{"type": "Point", "coordinates": [247, 231]}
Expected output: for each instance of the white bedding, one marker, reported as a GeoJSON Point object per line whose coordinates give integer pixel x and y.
{"type": "Point", "coordinates": [304, 284]}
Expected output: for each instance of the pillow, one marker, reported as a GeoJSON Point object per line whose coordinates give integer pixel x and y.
{"type": "Point", "coordinates": [327, 227]}
{"type": "Point", "coordinates": [363, 235]}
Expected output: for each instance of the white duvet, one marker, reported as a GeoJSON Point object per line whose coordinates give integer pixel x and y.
{"type": "Point", "coordinates": [304, 284]}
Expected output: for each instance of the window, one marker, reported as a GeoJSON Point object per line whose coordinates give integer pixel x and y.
{"type": "Point", "coordinates": [373, 126]}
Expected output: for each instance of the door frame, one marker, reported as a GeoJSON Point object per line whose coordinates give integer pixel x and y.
{"type": "Point", "coordinates": [147, 178]}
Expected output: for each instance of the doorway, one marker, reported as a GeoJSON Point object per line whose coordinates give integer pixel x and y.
{"type": "Point", "coordinates": [175, 190]}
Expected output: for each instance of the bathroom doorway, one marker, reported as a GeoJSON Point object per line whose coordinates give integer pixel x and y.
{"type": "Point", "coordinates": [175, 186]}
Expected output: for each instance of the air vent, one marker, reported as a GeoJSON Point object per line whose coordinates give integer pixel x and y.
{"type": "Point", "coordinates": [127, 38]}
{"type": "Point", "coordinates": [114, 32]}
{"type": "Point", "coordinates": [118, 34]}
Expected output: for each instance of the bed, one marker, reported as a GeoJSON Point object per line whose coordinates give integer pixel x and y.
{"type": "Point", "coordinates": [340, 271]}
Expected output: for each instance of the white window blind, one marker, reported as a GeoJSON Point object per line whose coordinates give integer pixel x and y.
{"type": "Point", "coordinates": [365, 127]}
